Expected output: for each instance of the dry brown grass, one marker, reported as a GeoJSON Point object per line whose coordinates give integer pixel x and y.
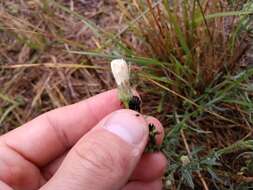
{"type": "Point", "coordinates": [38, 72]}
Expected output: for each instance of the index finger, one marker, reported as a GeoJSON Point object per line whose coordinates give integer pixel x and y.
{"type": "Point", "coordinates": [51, 134]}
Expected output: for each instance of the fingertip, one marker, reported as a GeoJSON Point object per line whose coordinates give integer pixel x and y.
{"type": "Point", "coordinates": [113, 96]}
{"type": "Point", "coordinates": [164, 163]}
{"type": "Point", "coordinates": [158, 184]}
{"type": "Point", "coordinates": [150, 167]}
{"type": "Point", "coordinates": [154, 185]}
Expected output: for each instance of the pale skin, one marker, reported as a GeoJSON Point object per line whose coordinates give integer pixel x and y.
{"type": "Point", "coordinates": [68, 148]}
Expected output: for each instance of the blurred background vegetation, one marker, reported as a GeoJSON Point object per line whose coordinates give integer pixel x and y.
{"type": "Point", "coordinates": [191, 61]}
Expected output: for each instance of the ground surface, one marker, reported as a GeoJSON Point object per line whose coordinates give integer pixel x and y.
{"type": "Point", "coordinates": [44, 87]}
{"type": "Point", "coordinates": [38, 72]}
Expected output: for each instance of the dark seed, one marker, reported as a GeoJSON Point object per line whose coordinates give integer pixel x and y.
{"type": "Point", "coordinates": [151, 127]}
{"type": "Point", "coordinates": [152, 147]}
{"type": "Point", "coordinates": [135, 104]}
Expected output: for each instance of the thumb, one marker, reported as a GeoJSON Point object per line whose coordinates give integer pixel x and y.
{"type": "Point", "coordinates": [106, 156]}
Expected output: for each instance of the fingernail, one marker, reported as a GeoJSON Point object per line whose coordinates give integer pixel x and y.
{"type": "Point", "coordinates": [127, 125]}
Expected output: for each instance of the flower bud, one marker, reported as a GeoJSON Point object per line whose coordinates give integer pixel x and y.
{"type": "Point", "coordinates": [120, 71]}
{"type": "Point", "coordinates": [185, 160]}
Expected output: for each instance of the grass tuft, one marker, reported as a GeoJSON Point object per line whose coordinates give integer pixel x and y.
{"type": "Point", "coordinates": [191, 60]}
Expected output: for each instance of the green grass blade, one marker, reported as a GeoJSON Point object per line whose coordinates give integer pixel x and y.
{"type": "Point", "coordinates": [200, 20]}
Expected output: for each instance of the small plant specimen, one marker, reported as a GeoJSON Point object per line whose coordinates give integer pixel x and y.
{"type": "Point", "coordinates": [121, 73]}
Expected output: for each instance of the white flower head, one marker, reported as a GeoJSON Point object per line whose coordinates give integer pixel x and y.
{"type": "Point", "coordinates": [185, 160]}
{"type": "Point", "coordinates": [120, 71]}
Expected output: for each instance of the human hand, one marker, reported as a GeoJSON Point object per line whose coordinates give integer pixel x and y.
{"type": "Point", "coordinates": [87, 145]}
